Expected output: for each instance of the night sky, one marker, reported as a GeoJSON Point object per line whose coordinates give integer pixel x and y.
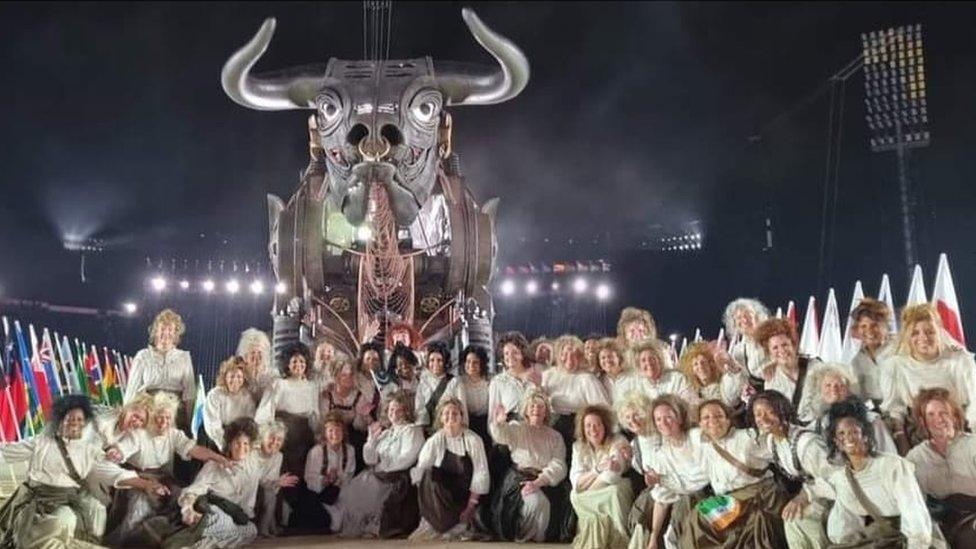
{"type": "Point", "coordinates": [115, 126]}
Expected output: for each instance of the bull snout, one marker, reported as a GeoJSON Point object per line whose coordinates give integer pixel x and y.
{"type": "Point", "coordinates": [374, 146]}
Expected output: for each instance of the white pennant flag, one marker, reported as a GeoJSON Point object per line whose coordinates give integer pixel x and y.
{"type": "Point", "coordinates": [831, 348]}
{"type": "Point", "coordinates": [779, 312]}
{"type": "Point", "coordinates": [698, 335]}
{"type": "Point", "coordinates": [852, 345]}
{"type": "Point", "coordinates": [884, 296]}
{"type": "Point", "coordinates": [810, 339]}
{"type": "Point", "coordinates": [916, 292]}
{"type": "Point", "coordinates": [944, 299]}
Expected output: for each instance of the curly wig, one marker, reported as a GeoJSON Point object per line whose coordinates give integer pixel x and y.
{"type": "Point", "coordinates": [64, 405]}
{"type": "Point", "coordinates": [772, 328]}
{"type": "Point", "coordinates": [776, 400]}
{"type": "Point", "coordinates": [606, 417]}
{"type": "Point", "coordinates": [695, 350]}
{"type": "Point", "coordinates": [293, 350]}
{"type": "Point", "coordinates": [229, 365]}
{"type": "Point", "coordinates": [754, 305]}
{"type": "Point", "coordinates": [480, 353]}
{"type": "Point", "coordinates": [633, 314]}
{"type": "Point", "coordinates": [167, 316]}
{"type": "Point", "coordinates": [520, 343]}
{"type": "Point", "coordinates": [241, 426]}
{"type": "Point", "coordinates": [852, 408]}
{"type": "Point", "coordinates": [925, 396]}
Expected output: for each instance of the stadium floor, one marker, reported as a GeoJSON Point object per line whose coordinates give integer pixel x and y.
{"type": "Point", "coordinates": [332, 541]}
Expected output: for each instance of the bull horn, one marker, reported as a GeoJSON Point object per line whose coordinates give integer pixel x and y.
{"type": "Point", "coordinates": [283, 91]}
{"type": "Point", "coordinates": [465, 84]}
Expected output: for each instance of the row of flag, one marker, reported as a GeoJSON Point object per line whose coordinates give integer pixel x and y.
{"type": "Point", "coordinates": [36, 371]}
{"type": "Point", "coordinates": [825, 339]}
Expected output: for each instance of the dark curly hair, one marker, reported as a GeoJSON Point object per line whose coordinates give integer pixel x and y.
{"type": "Point", "coordinates": [238, 427]}
{"type": "Point", "coordinates": [370, 346]}
{"type": "Point", "coordinates": [404, 352]}
{"type": "Point", "coordinates": [292, 350]}
{"type": "Point", "coordinates": [520, 343]}
{"type": "Point", "coordinates": [64, 405]}
{"type": "Point", "coordinates": [852, 408]}
{"type": "Point", "coordinates": [781, 406]}
{"type": "Point", "coordinates": [439, 347]}
{"type": "Point", "coordinates": [479, 352]}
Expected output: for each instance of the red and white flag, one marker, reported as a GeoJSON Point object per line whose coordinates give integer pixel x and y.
{"type": "Point", "coordinates": [916, 292]}
{"type": "Point", "coordinates": [944, 299]}
{"type": "Point", "coordinates": [831, 346]}
{"type": "Point", "coordinates": [884, 296]}
{"type": "Point", "coordinates": [852, 345]}
{"type": "Point", "coordinates": [810, 338]}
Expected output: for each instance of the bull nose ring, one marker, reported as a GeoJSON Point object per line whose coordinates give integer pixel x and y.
{"type": "Point", "coordinates": [373, 150]}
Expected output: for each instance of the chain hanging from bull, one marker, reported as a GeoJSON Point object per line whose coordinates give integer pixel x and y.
{"type": "Point", "coordinates": [383, 229]}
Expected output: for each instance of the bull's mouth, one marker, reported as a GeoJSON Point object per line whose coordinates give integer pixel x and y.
{"type": "Point", "coordinates": [364, 176]}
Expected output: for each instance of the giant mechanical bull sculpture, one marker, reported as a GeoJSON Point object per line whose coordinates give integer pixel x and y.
{"type": "Point", "coordinates": [382, 230]}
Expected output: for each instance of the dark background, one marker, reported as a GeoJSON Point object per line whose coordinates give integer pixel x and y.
{"type": "Point", "coordinates": [639, 120]}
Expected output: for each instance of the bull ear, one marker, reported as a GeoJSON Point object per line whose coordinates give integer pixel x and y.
{"type": "Point", "coordinates": [469, 84]}
{"type": "Point", "coordinates": [286, 90]}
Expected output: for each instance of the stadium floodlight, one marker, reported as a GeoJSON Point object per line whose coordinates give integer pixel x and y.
{"type": "Point", "coordinates": [580, 285]}
{"type": "Point", "coordinates": [208, 285]}
{"type": "Point", "coordinates": [158, 283]}
{"type": "Point", "coordinates": [508, 286]}
{"type": "Point", "coordinates": [257, 287]}
{"type": "Point", "coordinates": [281, 288]}
{"type": "Point", "coordinates": [232, 286]}
{"type": "Point", "coordinates": [531, 287]}
{"type": "Point", "coordinates": [603, 292]}
{"type": "Point", "coordinates": [554, 286]}
{"type": "Point", "coordinates": [130, 308]}
{"type": "Point", "coordinates": [184, 284]}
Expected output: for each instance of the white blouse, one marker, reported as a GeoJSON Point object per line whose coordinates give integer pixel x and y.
{"type": "Point", "coordinates": [617, 388]}
{"type": "Point", "coordinates": [171, 371]}
{"type": "Point", "coordinates": [263, 382]}
{"type": "Point", "coordinates": [223, 407]}
{"type": "Point", "coordinates": [432, 455]}
{"type": "Point", "coordinates": [787, 387]}
{"type": "Point", "coordinates": [749, 355]}
{"type": "Point", "coordinates": [344, 466]}
{"type": "Point", "coordinates": [953, 370]}
{"type": "Point", "coordinates": [943, 476]}
{"type": "Point", "coordinates": [676, 463]}
{"type": "Point", "coordinates": [507, 390]}
{"type": "Point", "coordinates": [292, 396]}
{"type": "Point", "coordinates": [539, 448]}
{"type": "Point", "coordinates": [476, 395]}
{"type": "Point", "coordinates": [568, 392]}
{"type": "Point", "coordinates": [671, 382]}
{"type": "Point", "coordinates": [237, 484]}
{"type": "Point", "coordinates": [586, 459]}
{"type": "Point", "coordinates": [722, 475]}
{"type": "Point", "coordinates": [889, 483]}
{"type": "Point", "coordinates": [156, 451]}
{"type": "Point", "coordinates": [873, 374]}
{"type": "Point", "coordinates": [394, 449]}
{"type": "Point", "coordinates": [728, 388]}
{"type": "Point", "coordinates": [46, 466]}
{"type": "Point", "coordinates": [425, 390]}
{"type": "Point", "coordinates": [805, 447]}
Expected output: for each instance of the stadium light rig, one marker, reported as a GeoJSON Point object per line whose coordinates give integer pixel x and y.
{"type": "Point", "coordinates": [158, 283]}
{"type": "Point", "coordinates": [895, 90]}
{"type": "Point", "coordinates": [130, 308]}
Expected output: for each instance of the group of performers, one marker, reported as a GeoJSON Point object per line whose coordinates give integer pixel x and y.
{"type": "Point", "coordinates": [605, 443]}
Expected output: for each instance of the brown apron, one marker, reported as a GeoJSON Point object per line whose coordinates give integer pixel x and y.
{"type": "Point", "coordinates": [882, 532]}
{"type": "Point", "coordinates": [443, 491]}
{"type": "Point", "coordinates": [399, 514]}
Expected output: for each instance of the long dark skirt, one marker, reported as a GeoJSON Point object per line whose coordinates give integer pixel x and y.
{"type": "Point", "coordinates": [506, 509]}
{"type": "Point", "coordinates": [479, 424]}
{"type": "Point", "coordinates": [123, 501]}
{"type": "Point", "coordinates": [958, 519]}
{"type": "Point", "coordinates": [298, 441]}
{"type": "Point", "coordinates": [566, 426]}
{"type": "Point", "coordinates": [760, 524]}
{"type": "Point", "coordinates": [400, 514]}
{"type": "Point", "coordinates": [884, 534]}
{"type": "Point", "coordinates": [443, 491]}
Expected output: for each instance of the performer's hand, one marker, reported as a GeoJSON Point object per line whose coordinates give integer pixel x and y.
{"type": "Point", "coordinates": [651, 478]}
{"type": "Point", "coordinates": [748, 391]}
{"type": "Point", "coordinates": [530, 487]}
{"type": "Point", "coordinates": [370, 330]}
{"type": "Point", "coordinates": [375, 429]}
{"type": "Point", "coordinates": [535, 377]}
{"type": "Point", "coordinates": [626, 451]}
{"type": "Point", "coordinates": [113, 454]}
{"type": "Point", "coordinates": [223, 462]}
{"type": "Point", "coordinates": [794, 509]}
{"type": "Point", "coordinates": [329, 477]}
{"type": "Point", "coordinates": [287, 480]}
{"type": "Point", "coordinates": [501, 414]}
{"type": "Point", "coordinates": [468, 513]}
{"type": "Point", "coordinates": [190, 516]}
{"type": "Point", "coordinates": [615, 465]}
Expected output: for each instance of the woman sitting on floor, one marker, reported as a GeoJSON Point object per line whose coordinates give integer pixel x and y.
{"type": "Point", "coordinates": [331, 464]}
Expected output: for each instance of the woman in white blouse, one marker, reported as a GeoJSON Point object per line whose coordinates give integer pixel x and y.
{"type": "Point", "coordinates": [616, 372]}
{"type": "Point", "coordinates": [152, 454]}
{"type": "Point", "coordinates": [654, 378]}
{"type": "Point", "coordinates": [787, 370]}
{"type": "Point", "coordinates": [508, 388]}
{"type": "Point", "coordinates": [163, 367]}
{"type": "Point", "coordinates": [50, 509]}
{"type": "Point", "coordinates": [636, 325]}
{"type": "Point", "coordinates": [529, 504]}
{"type": "Point", "coordinates": [926, 358]}
{"type": "Point", "coordinates": [451, 476]}
{"type": "Point", "coordinates": [871, 320]}
{"type": "Point", "coordinates": [741, 318]}
{"type": "Point", "coordinates": [267, 451]}
{"type": "Point", "coordinates": [738, 468]}
{"type": "Point", "coordinates": [228, 400]}
{"type": "Point", "coordinates": [330, 466]}
{"type": "Point", "coordinates": [435, 384]}
{"type": "Point", "coordinates": [474, 383]}
{"type": "Point", "coordinates": [667, 458]}
{"type": "Point", "coordinates": [570, 386]}
{"type": "Point", "coordinates": [293, 400]}
{"type": "Point", "coordinates": [601, 496]}
{"type": "Point", "coordinates": [112, 430]}
{"type": "Point", "coordinates": [345, 397]}
{"type": "Point", "coordinates": [945, 465]}
{"type": "Point", "coordinates": [832, 383]}
{"type": "Point", "coordinates": [711, 380]}
{"type": "Point", "coordinates": [254, 347]}
{"type": "Point", "coordinates": [877, 499]}
{"type": "Point", "coordinates": [381, 501]}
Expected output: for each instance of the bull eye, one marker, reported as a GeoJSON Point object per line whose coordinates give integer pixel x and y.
{"type": "Point", "coordinates": [330, 110]}
{"type": "Point", "coordinates": [425, 111]}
